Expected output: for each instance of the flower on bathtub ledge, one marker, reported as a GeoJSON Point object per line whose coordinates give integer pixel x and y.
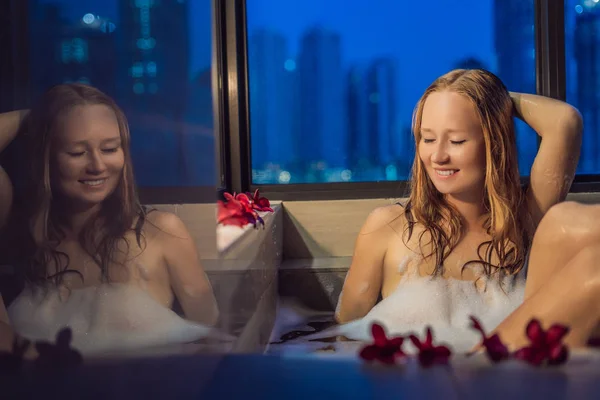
{"type": "Point", "coordinates": [430, 354]}
{"type": "Point", "coordinates": [387, 350]}
{"type": "Point", "coordinates": [59, 355]}
{"type": "Point", "coordinates": [50, 356]}
{"type": "Point", "coordinates": [242, 209]}
{"type": "Point", "coordinates": [259, 203]}
{"type": "Point", "coordinates": [495, 349]}
{"type": "Point", "coordinates": [383, 349]}
{"type": "Point", "coordinates": [545, 345]}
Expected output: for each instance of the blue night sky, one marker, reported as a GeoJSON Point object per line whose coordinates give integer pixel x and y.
{"type": "Point", "coordinates": [427, 38]}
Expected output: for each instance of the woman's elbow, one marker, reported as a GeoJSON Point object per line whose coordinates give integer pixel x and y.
{"type": "Point", "coordinates": [572, 121]}
{"type": "Point", "coordinates": [350, 308]}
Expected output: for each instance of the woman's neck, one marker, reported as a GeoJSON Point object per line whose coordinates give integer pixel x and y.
{"type": "Point", "coordinates": [73, 218]}
{"type": "Point", "coordinates": [471, 209]}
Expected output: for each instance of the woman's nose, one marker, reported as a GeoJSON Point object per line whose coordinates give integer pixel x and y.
{"type": "Point", "coordinates": [96, 164]}
{"type": "Point", "coordinates": [440, 155]}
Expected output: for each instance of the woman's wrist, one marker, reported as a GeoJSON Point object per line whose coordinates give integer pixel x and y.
{"type": "Point", "coordinates": [516, 101]}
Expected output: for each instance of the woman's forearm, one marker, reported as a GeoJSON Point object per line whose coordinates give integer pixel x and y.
{"type": "Point", "coordinates": [546, 115]}
{"type": "Point", "coordinates": [9, 126]}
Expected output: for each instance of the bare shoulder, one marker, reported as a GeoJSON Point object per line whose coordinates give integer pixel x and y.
{"type": "Point", "coordinates": [391, 216]}
{"type": "Point", "coordinates": [165, 225]}
{"type": "Point", "coordinates": [385, 219]}
{"type": "Point", "coordinates": [383, 225]}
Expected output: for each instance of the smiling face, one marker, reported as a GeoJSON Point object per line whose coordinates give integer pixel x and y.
{"type": "Point", "coordinates": [87, 156]}
{"type": "Point", "coordinates": [451, 144]}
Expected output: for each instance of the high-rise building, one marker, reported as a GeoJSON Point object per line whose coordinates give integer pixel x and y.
{"type": "Point", "coordinates": [381, 106]}
{"type": "Point", "coordinates": [375, 139]}
{"type": "Point", "coordinates": [360, 147]}
{"type": "Point", "coordinates": [587, 55]}
{"type": "Point", "coordinates": [323, 135]}
{"type": "Point", "coordinates": [199, 138]}
{"type": "Point", "coordinates": [515, 43]}
{"type": "Point", "coordinates": [515, 54]}
{"type": "Point", "coordinates": [273, 100]}
{"type": "Point", "coordinates": [64, 51]}
{"type": "Point", "coordinates": [153, 85]}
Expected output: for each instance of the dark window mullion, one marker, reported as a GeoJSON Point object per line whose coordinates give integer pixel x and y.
{"type": "Point", "coordinates": [235, 119]}
{"type": "Point", "coordinates": [550, 48]}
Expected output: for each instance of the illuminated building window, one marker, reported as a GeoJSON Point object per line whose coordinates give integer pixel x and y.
{"type": "Point", "coordinates": [138, 88]}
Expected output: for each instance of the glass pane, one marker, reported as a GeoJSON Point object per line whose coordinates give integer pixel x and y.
{"type": "Point", "coordinates": [333, 83]}
{"type": "Point", "coordinates": [582, 42]}
{"type": "Point", "coordinates": [127, 279]}
{"type": "Point", "coordinates": [153, 58]}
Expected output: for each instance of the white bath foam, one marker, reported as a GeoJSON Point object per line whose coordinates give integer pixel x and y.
{"type": "Point", "coordinates": [443, 304]}
{"type": "Point", "coordinates": [104, 318]}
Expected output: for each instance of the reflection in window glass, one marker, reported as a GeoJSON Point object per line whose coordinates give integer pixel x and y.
{"type": "Point", "coordinates": [582, 45]}
{"type": "Point", "coordinates": [153, 58]}
{"type": "Point", "coordinates": [333, 83]}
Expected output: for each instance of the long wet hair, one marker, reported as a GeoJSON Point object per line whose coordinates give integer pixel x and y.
{"type": "Point", "coordinates": [503, 196]}
{"type": "Point", "coordinates": [37, 215]}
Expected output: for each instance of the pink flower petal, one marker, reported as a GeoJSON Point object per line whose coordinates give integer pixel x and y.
{"type": "Point", "coordinates": [556, 333]}
{"type": "Point", "coordinates": [496, 350]}
{"type": "Point", "coordinates": [530, 355]}
{"type": "Point", "coordinates": [534, 331]}
{"type": "Point", "coordinates": [429, 337]}
{"type": "Point", "coordinates": [379, 336]}
{"type": "Point", "coordinates": [415, 340]}
{"type": "Point", "coordinates": [558, 355]}
{"type": "Point", "coordinates": [369, 353]}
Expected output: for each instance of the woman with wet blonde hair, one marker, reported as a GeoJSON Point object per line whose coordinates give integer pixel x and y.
{"type": "Point", "coordinates": [87, 254]}
{"type": "Point", "coordinates": [507, 222]}
{"type": "Point", "coordinates": [468, 219]}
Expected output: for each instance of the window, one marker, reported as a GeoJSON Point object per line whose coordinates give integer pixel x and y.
{"type": "Point", "coordinates": [153, 58]}
{"type": "Point", "coordinates": [333, 84]}
{"type": "Point", "coordinates": [582, 49]}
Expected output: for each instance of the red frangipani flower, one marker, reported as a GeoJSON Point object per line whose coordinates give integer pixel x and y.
{"type": "Point", "coordinates": [545, 345]}
{"type": "Point", "coordinates": [495, 349]}
{"type": "Point", "coordinates": [58, 355]}
{"type": "Point", "coordinates": [260, 203]}
{"type": "Point", "coordinates": [235, 213]}
{"type": "Point", "coordinates": [241, 209]}
{"type": "Point", "coordinates": [430, 354]}
{"type": "Point", "coordinates": [383, 349]}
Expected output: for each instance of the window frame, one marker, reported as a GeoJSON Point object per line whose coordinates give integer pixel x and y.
{"type": "Point", "coordinates": [16, 85]}
{"type": "Point", "coordinates": [14, 65]}
{"type": "Point", "coordinates": [236, 145]}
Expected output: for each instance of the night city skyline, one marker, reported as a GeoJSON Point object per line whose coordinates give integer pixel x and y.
{"type": "Point", "coordinates": [351, 111]}
{"type": "Point", "coordinates": [331, 92]}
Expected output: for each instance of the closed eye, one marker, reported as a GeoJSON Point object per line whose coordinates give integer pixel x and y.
{"type": "Point", "coordinates": [457, 141]}
{"type": "Point", "coordinates": [110, 150]}
{"type": "Point", "coordinates": [428, 140]}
